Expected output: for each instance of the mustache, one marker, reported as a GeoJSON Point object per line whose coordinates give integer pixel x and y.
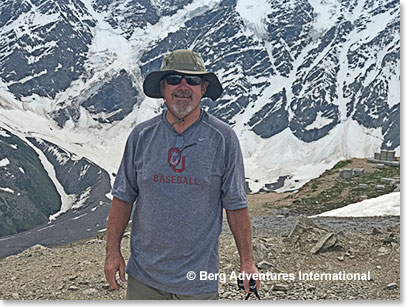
{"type": "Point", "coordinates": [185, 92]}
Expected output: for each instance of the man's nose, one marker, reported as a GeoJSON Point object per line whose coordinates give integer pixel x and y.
{"type": "Point", "coordinates": [184, 82]}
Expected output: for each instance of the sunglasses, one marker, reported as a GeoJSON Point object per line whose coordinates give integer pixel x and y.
{"type": "Point", "coordinates": [176, 79]}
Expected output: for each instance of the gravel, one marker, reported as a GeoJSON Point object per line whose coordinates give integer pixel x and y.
{"type": "Point", "coordinates": [75, 271]}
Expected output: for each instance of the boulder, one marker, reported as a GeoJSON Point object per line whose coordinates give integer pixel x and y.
{"type": "Point", "coordinates": [327, 242]}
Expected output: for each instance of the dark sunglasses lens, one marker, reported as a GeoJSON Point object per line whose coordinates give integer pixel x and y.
{"type": "Point", "coordinates": [176, 79]}
{"type": "Point", "coordinates": [173, 79]}
{"type": "Point", "coordinates": [193, 80]}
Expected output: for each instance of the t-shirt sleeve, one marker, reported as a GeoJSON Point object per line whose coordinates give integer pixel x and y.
{"type": "Point", "coordinates": [125, 185]}
{"type": "Point", "coordinates": [233, 179]}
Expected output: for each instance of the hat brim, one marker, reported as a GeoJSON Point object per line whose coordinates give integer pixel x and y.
{"type": "Point", "coordinates": [151, 84]}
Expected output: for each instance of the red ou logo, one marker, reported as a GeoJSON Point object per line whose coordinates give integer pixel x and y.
{"type": "Point", "coordinates": [174, 158]}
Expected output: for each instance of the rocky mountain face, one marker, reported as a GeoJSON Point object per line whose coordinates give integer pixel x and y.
{"type": "Point", "coordinates": [33, 196]}
{"type": "Point", "coordinates": [297, 74]}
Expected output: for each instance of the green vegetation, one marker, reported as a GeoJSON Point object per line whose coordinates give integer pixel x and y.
{"type": "Point", "coordinates": [342, 164]}
{"type": "Point", "coordinates": [344, 191]}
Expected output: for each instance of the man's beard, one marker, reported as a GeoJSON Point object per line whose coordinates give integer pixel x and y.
{"type": "Point", "coordinates": [182, 103]}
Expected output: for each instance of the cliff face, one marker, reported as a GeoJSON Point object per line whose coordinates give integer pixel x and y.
{"type": "Point", "coordinates": [30, 197]}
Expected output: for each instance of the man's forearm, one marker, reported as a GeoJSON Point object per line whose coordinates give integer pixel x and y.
{"type": "Point", "coordinates": [118, 220]}
{"type": "Point", "coordinates": [239, 223]}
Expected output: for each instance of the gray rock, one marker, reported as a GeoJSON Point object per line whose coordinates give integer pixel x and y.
{"type": "Point", "coordinates": [106, 287]}
{"type": "Point", "coordinates": [391, 286]}
{"type": "Point", "coordinates": [284, 211]}
{"type": "Point", "coordinates": [279, 287]}
{"type": "Point", "coordinates": [90, 292]}
{"type": "Point", "coordinates": [326, 242]}
{"type": "Point", "coordinates": [346, 173]}
{"type": "Point", "coordinates": [375, 231]}
{"type": "Point", "coordinates": [387, 155]}
{"type": "Point", "coordinates": [96, 241]}
{"type": "Point", "coordinates": [383, 155]}
{"type": "Point", "coordinates": [126, 234]}
{"type": "Point", "coordinates": [73, 288]}
{"type": "Point", "coordinates": [260, 251]}
{"type": "Point", "coordinates": [386, 180]}
{"type": "Point", "coordinates": [394, 182]}
{"type": "Point", "coordinates": [389, 239]}
{"type": "Point", "coordinates": [382, 251]}
{"type": "Point", "coordinates": [264, 265]}
{"type": "Point", "coordinates": [302, 225]}
{"type": "Point", "coordinates": [358, 171]}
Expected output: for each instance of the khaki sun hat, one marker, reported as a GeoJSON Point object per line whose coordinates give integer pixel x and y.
{"type": "Point", "coordinates": [184, 62]}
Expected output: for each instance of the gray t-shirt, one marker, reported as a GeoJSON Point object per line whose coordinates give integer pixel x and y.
{"type": "Point", "coordinates": [180, 183]}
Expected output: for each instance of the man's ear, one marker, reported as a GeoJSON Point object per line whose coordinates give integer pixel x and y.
{"type": "Point", "coordinates": [204, 87]}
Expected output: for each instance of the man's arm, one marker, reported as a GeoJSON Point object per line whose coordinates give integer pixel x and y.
{"type": "Point", "coordinates": [118, 220]}
{"type": "Point", "coordinates": [239, 223]}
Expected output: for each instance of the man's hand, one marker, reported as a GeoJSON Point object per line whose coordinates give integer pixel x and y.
{"type": "Point", "coordinates": [114, 262]}
{"type": "Point", "coordinates": [249, 270]}
{"type": "Point", "coordinates": [239, 223]}
{"type": "Point", "coordinates": [119, 216]}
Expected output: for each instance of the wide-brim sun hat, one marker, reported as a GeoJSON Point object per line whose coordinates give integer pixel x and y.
{"type": "Point", "coordinates": [184, 62]}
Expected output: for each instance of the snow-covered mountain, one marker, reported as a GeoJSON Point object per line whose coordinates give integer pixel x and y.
{"type": "Point", "coordinates": [307, 83]}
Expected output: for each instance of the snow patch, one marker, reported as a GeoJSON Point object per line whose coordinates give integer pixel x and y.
{"type": "Point", "coordinates": [319, 122]}
{"type": "Point", "coordinates": [4, 162]}
{"type": "Point", "coordinates": [7, 190]}
{"type": "Point", "coordinates": [285, 155]}
{"type": "Point", "coordinates": [388, 204]}
{"type": "Point", "coordinates": [326, 13]}
{"type": "Point", "coordinates": [79, 216]}
{"type": "Point", "coordinates": [254, 15]}
{"type": "Point", "coordinates": [4, 134]}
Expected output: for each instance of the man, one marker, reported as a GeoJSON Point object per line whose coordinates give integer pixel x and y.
{"type": "Point", "coordinates": [181, 169]}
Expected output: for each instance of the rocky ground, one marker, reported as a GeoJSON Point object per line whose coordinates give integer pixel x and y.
{"type": "Point", "coordinates": [286, 245]}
